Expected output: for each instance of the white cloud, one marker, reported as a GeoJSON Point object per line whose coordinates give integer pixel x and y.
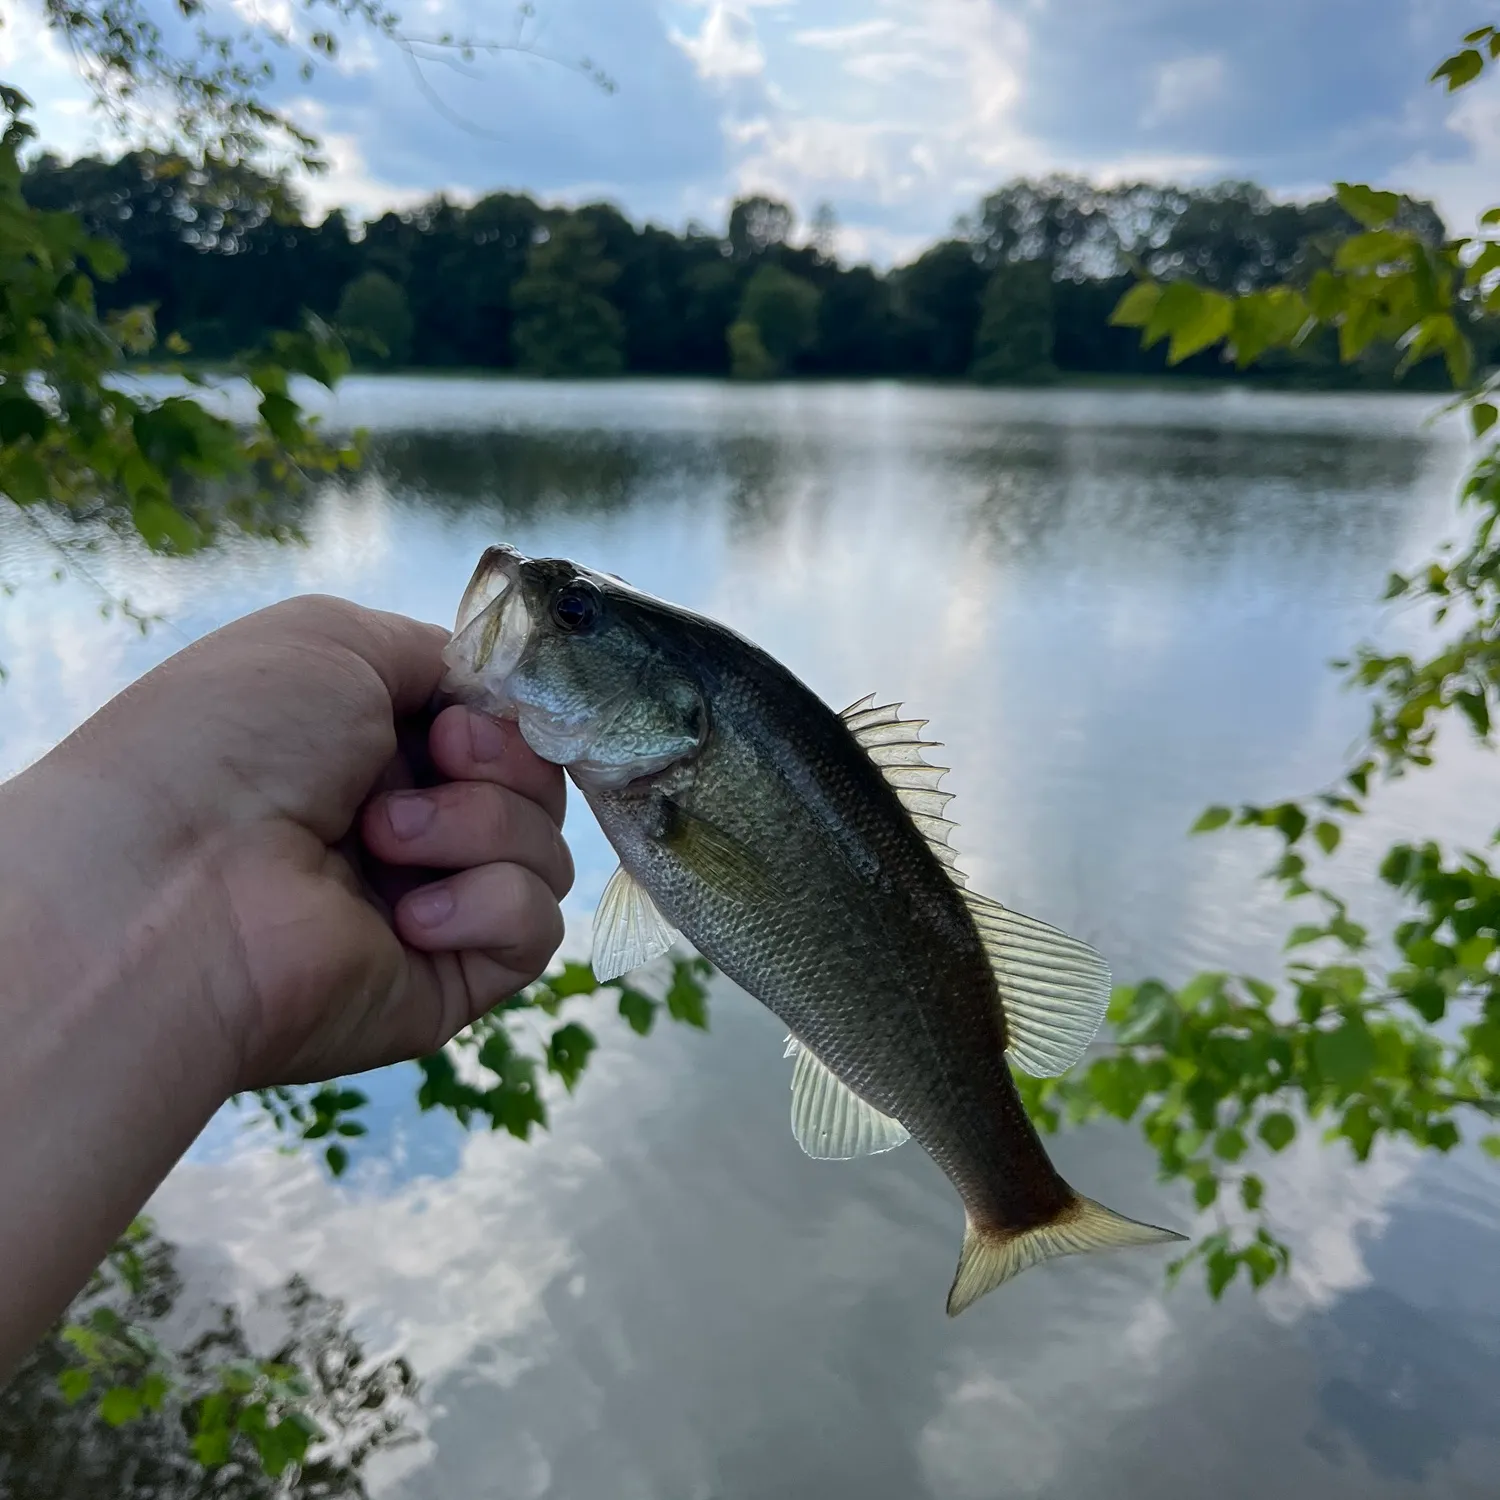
{"type": "Point", "coordinates": [917, 117]}
{"type": "Point", "coordinates": [348, 181]}
{"type": "Point", "coordinates": [1464, 188]}
{"type": "Point", "coordinates": [726, 45]}
{"type": "Point", "coordinates": [837, 38]}
{"type": "Point", "coordinates": [1184, 86]}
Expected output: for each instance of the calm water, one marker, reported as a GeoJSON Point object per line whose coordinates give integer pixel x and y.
{"type": "Point", "coordinates": [1114, 608]}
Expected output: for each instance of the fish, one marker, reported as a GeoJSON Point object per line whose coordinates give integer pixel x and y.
{"type": "Point", "coordinates": [806, 854]}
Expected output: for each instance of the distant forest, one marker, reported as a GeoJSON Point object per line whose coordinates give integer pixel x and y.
{"type": "Point", "coordinates": [1020, 292]}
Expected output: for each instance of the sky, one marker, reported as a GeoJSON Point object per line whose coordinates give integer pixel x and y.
{"type": "Point", "coordinates": [899, 114]}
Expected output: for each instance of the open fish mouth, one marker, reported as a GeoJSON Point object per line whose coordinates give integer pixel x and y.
{"type": "Point", "coordinates": [490, 634]}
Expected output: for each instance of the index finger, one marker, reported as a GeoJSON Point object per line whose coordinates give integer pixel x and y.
{"type": "Point", "coordinates": [470, 746]}
{"type": "Point", "coordinates": [406, 654]}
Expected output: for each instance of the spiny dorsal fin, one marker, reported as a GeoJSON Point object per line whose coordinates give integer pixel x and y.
{"type": "Point", "coordinates": [896, 746]}
{"type": "Point", "coordinates": [831, 1122]}
{"type": "Point", "coordinates": [1054, 990]}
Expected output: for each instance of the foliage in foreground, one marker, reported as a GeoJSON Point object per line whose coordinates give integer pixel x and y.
{"type": "Point", "coordinates": [280, 1416]}
{"type": "Point", "coordinates": [1368, 1040]}
{"type": "Point", "coordinates": [124, 1400]}
{"type": "Point", "coordinates": [76, 435]}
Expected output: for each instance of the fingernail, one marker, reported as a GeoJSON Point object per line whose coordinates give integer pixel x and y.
{"type": "Point", "coordinates": [431, 906]}
{"type": "Point", "coordinates": [409, 813]}
{"type": "Point", "coordinates": [486, 737]}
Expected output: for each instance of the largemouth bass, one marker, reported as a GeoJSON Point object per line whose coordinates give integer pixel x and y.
{"type": "Point", "coordinates": [805, 853]}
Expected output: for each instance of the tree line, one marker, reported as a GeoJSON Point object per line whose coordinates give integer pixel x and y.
{"type": "Point", "coordinates": [1020, 291]}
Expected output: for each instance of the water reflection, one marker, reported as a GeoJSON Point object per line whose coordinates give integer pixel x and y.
{"type": "Point", "coordinates": [1115, 607]}
{"type": "Point", "coordinates": [52, 1448]}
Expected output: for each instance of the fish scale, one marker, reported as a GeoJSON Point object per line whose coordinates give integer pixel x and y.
{"type": "Point", "coordinates": [751, 817]}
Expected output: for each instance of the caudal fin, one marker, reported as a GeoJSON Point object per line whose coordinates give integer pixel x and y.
{"type": "Point", "coordinates": [991, 1256]}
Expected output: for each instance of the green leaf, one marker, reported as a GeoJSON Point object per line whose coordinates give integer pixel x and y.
{"type": "Point", "coordinates": [1277, 1130]}
{"type": "Point", "coordinates": [1289, 820]}
{"type": "Point", "coordinates": [1212, 818]}
{"type": "Point", "coordinates": [1303, 934]}
{"type": "Point", "coordinates": [1252, 1190]}
{"type": "Point", "coordinates": [21, 417]}
{"type": "Point", "coordinates": [1208, 322]}
{"type": "Point", "coordinates": [687, 999]}
{"type": "Point", "coordinates": [1373, 209]}
{"type": "Point", "coordinates": [74, 1383]}
{"type": "Point", "coordinates": [1135, 308]}
{"type": "Point", "coordinates": [1205, 1190]}
{"type": "Point", "coordinates": [1460, 69]}
{"type": "Point", "coordinates": [211, 1446]}
{"type": "Point", "coordinates": [1476, 709]}
{"type": "Point", "coordinates": [1260, 1262]}
{"type": "Point", "coordinates": [119, 1405]}
{"type": "Point", "coordinates": [1328, 835]}
{"type": "Point", "coordinates": [106, 258]}
{"type": "Point", "coordinates": [1221, 1269]}
{"type": "Point", "coordinates": [1230, 1144]}
{"type": "Point", "coordinates": [1482, 414]}
{"type": "Point", "coordinates": [568, 1053]}
{"type": "Point", "coordinates": [1151, 1016]}
{"type": "Point", "coordinates": [1490, 1145]}
{"type": "Point", "coordinates": [575, 979]}
{"type": "Point", "coordinates": [164, 527]}
{"type": "Point", "coordinates": [280, 1445]}
{"type": "Point", "coordinates": [638, 1010]}
{"type": "Point", "coordinates": [1344, 1057]}
{"type": "Point", "coordinates": [338, 1158]}
{"type": "Point", "coordinates": [1380, 247]}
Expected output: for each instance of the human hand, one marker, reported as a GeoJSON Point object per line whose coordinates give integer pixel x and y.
{"type": "Point", "coordinates": [256, 775]}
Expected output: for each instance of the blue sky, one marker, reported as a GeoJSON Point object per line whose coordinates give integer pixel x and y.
{"type": "Point", "coordinates": [899, 113]}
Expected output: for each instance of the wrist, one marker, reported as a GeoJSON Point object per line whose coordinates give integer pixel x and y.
{"type": "Point", "coordinates": [116, 1053]}
{"type": "Point", "coordinates": [96, 895]}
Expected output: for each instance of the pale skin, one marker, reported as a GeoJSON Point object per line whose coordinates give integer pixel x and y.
{"type": "Point", "coordinates": [182, 916]}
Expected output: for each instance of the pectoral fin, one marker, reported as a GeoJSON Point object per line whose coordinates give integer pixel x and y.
{"type": "Point", "coordinates": [717, 858]}
{"type": "Point", "coordinates": [628, 929]}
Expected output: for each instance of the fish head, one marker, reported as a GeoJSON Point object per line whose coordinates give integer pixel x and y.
{"type": "Point", "coordinates": [571, 656]}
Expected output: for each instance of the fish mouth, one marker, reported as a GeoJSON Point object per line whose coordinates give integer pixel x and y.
{"type": "Point", "coordinates": [490, 634]}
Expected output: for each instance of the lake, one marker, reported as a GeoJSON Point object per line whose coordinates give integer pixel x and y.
{"type": "Point", "coordinates": [1114, 606]}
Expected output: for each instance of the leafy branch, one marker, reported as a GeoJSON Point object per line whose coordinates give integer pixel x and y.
{"type": "Point", "coordinates": [1349, 1041]}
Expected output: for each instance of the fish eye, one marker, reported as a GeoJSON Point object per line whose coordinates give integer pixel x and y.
{"type": "Point", "coordinates": [575, 607]}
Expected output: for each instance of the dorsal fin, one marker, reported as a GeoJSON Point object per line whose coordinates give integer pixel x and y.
{"type": "Point", "coordinates": [1053, 989]}
{"type": "Point", "coordinates": [897, 748]}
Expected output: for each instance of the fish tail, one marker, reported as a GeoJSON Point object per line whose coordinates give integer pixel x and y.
{"type": "Point", "coordinates": [992, 1255]}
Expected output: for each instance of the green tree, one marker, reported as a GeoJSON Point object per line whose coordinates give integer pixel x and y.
{"type": "Point", "coordinates": [748, 359]}
{"type": "Point", "coordinates": [374, 316]}
{"type": "Point", "coordinates": [780, 310]}
{"type": "Point", "coordinates": [757, 225]}
{"type": "Point", "coordinates": [1364, 1040]}
{"type": "Point", "coordinates": [565, 325]}
{"type": "Point", "coordinates": [1014, 339]}
{"type": "Point", "coordinates": [937, 301]}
